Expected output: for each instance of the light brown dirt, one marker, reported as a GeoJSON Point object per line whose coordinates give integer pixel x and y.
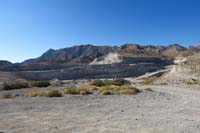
{"type": "Point", "coordinates": [169, 109]}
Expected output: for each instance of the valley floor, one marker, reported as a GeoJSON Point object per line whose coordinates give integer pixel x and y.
{"type": "Point", "coordinates": [167, 109]}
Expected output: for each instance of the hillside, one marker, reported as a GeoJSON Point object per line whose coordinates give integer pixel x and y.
{"type": "Point", "coordinates": [89, 61]}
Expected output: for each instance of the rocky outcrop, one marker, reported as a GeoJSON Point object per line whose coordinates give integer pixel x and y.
{"type": "Point", "coordinates": [111, 58]}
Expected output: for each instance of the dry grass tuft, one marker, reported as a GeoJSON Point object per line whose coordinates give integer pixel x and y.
{"type": "Point", "coordinates": [49, 93]}
{"type": "Point", "coordinates": [120, 90]}
{"type": "Point", "coordinates": [93, 88]}
{"type": "Point", "coordinates": [53, 93]}
{"type": "Point", "coordinates": [82, 92]}
{"type": "Point", "coordinates": [76, 91]}
{"type": "Point", "coordinates": [106, 92]}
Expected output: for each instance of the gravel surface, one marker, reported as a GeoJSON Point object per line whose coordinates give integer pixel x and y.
{"type": "Point", "coordinates": [168, 109]}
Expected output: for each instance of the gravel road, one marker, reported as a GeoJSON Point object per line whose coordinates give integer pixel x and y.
{"type": "Point", "coordinates": [169, 109]}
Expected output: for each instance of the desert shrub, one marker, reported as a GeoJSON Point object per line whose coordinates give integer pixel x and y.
{"type": "Point", "coordinates": [14, 85]}
{"type": "Point", "coordinates": [76, 91]}
{"type": "Point", "coordinates": [189, 83]}
{"type": "Point", "coordinates": [34, 94]}
{"type": "Point", "coordinates": [40, 83]}
{"type": "Point", "coordinates": [121, 90]}
{"type": "Point", "coordinates": [93, 88]}
{"type": "Point", "coordinates": [98, 83]}
{"type": "Point", "coordinates": [163, 83]}
{"type": "Point", "coordinates": [37, 94]}
{"type": "Point", "coordinates": [106, 92]}
{"type": "Point", "coordinates": [49, 93]}
{"type": "Point", "coordinates": [107, 82]}
{"type": "Point", "coordinates": [106, 88]}
{"type": "Point", "coordinates": [117, 82]}
{"type": "Point", "coordinates": [192, 82]}
{"type": "Point", "coordinates": [148, 89]}
{"type": "Point", "coordinates": [197, 82]}
{"type": "Point", "coordinates": [72, 91]}
{"type": "Point", "coordinates": [120, 82]}
{"type": "Point", "coordinates": [53, 93]}
{"type": "Point", "coordinates": [127, 90]}
{"type": "Point", "coordinates": [7, 95]}
{"type": "Point", "coordinates": [82, 92]}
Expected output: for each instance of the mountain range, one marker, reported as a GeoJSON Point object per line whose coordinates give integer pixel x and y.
{"type": "Point", "coordinates": [89, 61]}
{"type": "Point", "coordinates": [85, 54]}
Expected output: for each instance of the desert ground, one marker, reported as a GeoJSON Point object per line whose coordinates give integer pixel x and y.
{"type": "Point", "coordinates": [166, 109]}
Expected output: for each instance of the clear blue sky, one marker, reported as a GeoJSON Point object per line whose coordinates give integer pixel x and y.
{"type": "Point", "coordinates": [30, 27]}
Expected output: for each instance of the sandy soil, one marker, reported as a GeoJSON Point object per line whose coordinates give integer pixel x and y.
{"type": "Point", "coordinates": [169, 109]}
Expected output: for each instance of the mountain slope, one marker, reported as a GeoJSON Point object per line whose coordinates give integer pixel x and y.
{"type": "Point", "coordinates": [73, 55]}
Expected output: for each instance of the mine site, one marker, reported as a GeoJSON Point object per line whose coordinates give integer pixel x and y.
{"type": "Point", "coordinates": [99, 66]}
{"type": "Point", "coordinates": [131, 88]}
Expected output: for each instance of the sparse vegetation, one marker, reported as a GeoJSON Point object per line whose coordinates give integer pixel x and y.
{"type": "Point", "coordinates": [189, 83]}
{"type": "Point", "coordinates": [21, 85]}
{"type": "Point", "coordinates": [40, 83]}
{"type": "Point", "coordinates": [98, 83]}
{"type": "Point", "coordinates": [103, 87]}
{"type": "Point", "coordinates": [49, 93]}
{"type": "Point", "coordinates": [120, 82]}
{"type": "Point", "coordinates": [117, 82]}
{"type": "Point", "coordinates": [7, 95]}
{"type": "Point", "coordinates": [14, 85]}
{"type": "Point", "coordinates": [53, 93]}
{"type": "Point", "coordinates": [37, 94]}
{"type": "Point", "coordinates": [148, 89]}
{"type": "Point", "coordinates": [127, 90]}
{"type": "Point", "coordinates": [82, 92]}
{"type": "Point", "coordinates": [192, 82]}
{"type": "Point", "coordinates": [77, 91]}
{"type": "Point", "coordinates": [106, 92]}
{"type": "Point", "coordinates": [163, 83]}
{"type": "Point", "coordinates": [93, 88]}
{"type": "Point", "coordinates": [120, 90]}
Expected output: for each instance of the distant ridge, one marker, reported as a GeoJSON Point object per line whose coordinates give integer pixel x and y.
{"type": "Point", "coordinates": [86, 54]}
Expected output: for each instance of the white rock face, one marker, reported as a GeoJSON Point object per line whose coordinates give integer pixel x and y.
{"type": "Point", "coordinates": [179, 60]}
{"type": "Point", "coordinates": [110, 58]}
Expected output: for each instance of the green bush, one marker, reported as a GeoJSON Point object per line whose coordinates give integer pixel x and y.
{"type": "Point", "coordinates": [148, 89]}
{"type": "Point", "coordinates": [15, 85]}
{"type": "Point", "coordinates": [7, 95]}
{"type": "Point", "coordinates": [163, 83]}
{"type": "Point", "coordinates": [40, 83]}
{"type": "Point", "coordinates": [121, 82]}
{"type": "Point", "coordinates": [98, 83]}
{"type": "Point", "coordinates": [117, 82]}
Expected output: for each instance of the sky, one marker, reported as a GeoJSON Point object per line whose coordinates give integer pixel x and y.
{"type": "Point", "coordinates": [30, 27]}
